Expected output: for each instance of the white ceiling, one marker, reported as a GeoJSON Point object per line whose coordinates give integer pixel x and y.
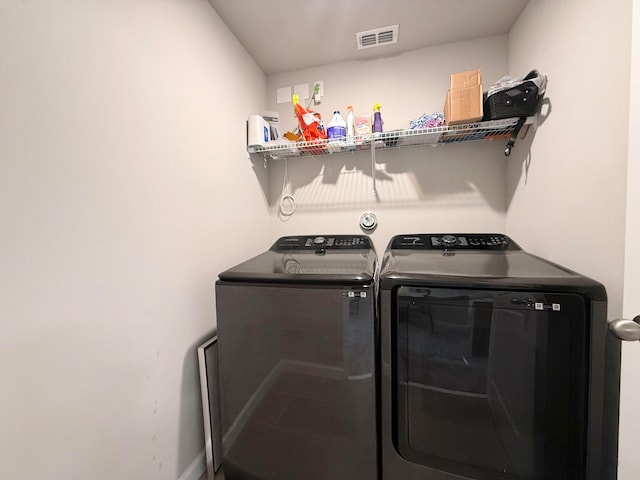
{"type": "Point", "coordinates": [286, 35]}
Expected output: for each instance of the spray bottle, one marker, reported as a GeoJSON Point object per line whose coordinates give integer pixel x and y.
{"type": "Point", "coordinates": [351, 132]}
{"type": "Point", "coordinates": [351, 129]}
{"type": "Point", "coordinates": [377, 119]}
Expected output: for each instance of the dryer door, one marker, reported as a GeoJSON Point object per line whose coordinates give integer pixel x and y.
{"type": "Point", "coordinates": [491, 384]}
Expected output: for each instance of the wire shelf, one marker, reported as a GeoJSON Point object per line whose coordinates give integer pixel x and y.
{"type": "Point", "coordinates": [493, 129]}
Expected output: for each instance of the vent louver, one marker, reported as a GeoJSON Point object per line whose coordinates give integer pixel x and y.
{"type": "Point", "coordinates": [377, 37]}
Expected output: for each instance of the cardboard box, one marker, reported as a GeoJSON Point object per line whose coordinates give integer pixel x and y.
{"type": "Point", "coordinates": [467, 79]}
{"type": "Point", "coordinates": [463, 105]}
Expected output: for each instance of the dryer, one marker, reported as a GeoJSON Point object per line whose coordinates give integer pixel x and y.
{"type": "Point", "coordinates": [297, 361]}
{"type": "Point", "coordinates": [495, 364]}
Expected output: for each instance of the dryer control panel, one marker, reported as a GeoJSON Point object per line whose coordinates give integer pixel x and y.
{"type": "Point", "coordinates": [457, 241]}
{"type": "Point", "coordinates": [328, 242]}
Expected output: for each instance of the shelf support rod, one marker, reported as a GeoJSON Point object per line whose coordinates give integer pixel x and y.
{"type": "Point", "coordinates": [373, 168]}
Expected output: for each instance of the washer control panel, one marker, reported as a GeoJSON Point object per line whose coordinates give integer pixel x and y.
{"type": "Point", "coordinates": [457, 241]}
{"type": "Point", "coordinates": [329, 242]}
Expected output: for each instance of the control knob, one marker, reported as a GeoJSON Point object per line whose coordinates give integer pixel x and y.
{"type": "Point", "coordinates": [449, 240]}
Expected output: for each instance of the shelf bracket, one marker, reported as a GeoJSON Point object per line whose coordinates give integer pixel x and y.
{"type": "Point", "coordinates": [514, 136]}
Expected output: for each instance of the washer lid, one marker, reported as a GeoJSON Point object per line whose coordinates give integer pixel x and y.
{"type": "Point", "coordinates": [319, 259]}
{"type": "Point", "coordinates": [504, 264]}
{"type": "Point", "coordinates": [498, 263]}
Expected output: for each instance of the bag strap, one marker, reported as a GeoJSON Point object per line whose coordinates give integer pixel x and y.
{"type": "Point", "coordinates": [514, 135]}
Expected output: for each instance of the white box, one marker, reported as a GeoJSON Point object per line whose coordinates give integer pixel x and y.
{"type": "Point", "coordinates": [257, 131]}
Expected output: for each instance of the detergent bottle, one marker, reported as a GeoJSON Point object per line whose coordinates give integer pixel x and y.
{"type": "Point", "coordinates": [377, 119]}
{"type": "Point", "coordinates": [337, 129]}
{"type": "Point", "coordinates": [336, 132]}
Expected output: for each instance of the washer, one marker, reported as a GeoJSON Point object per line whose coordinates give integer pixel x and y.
{"type": "Point", "coordinates": [297, 361]}
{"type": "Point", "coordinates": [495, 364]}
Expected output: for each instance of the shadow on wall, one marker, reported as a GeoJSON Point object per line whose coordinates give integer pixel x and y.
{"type": "Point", "coordinates": [261, 170]}
{"type": "Point", "coordinates": [190, 408]}
{"type": "Point", "coordinates": [521, 154]}
{"type": "Point", "coordinates": [454, 174]}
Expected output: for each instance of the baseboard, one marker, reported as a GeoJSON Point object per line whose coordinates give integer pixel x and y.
{"type": "Point", "coordinates": [195, 468]}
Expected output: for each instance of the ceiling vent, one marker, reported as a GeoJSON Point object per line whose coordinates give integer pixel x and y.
{"type": "Point", "coordinates": [378, 37]}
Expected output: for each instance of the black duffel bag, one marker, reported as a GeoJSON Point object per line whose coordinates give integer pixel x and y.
{"type": "Point", "coordinates": [520, 100]}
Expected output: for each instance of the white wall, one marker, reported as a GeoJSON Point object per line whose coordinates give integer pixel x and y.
{"type": "Point", "coordinates": [424, 189]}
{"type": "Point", "coordinates": [568, 194]}
{"type": "Point", "coordinates": [121, 170]}
{"type": "Point", "coordinates": [629, 463]}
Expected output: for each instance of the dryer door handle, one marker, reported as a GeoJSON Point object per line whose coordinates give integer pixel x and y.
{"type": "Point", "coordinates": [626, 329]}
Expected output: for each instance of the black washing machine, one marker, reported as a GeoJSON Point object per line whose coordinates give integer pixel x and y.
{"type": "Point", "coordinates": [495, 364]}
{"type": "Point", "coordinates": [297, 361]}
